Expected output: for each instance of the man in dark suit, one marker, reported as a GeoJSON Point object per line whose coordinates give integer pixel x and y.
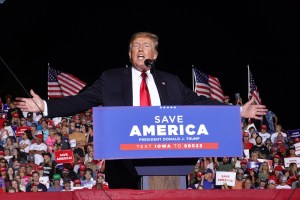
{"type": "Point", "coordinates": [121, 87]}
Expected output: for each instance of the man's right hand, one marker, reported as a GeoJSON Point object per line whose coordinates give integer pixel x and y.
{"type": "Point", "coordinates": [34, 104]}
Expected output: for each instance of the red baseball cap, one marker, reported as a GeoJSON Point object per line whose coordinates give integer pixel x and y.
{"type": "Point", "coordinates": [278, 168]}
{"type": "Point", "coordinates": [77, 181]}
{"type": "Point", "coordinates": [263, 127]}
{"type": "Point", "coordinates": [82, 167]}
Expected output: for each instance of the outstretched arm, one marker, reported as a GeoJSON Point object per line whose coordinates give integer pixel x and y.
{"type": "Point", "coordinates": [34, 104]}
{"type": "Point", "coordinates": [253, 111]}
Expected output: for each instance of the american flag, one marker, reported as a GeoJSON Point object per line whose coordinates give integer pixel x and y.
{"type": "Point", "coordinates": [207, 85]}
{"type": "Point", "coordinates": [62, 84]}
{"type": "Point", "coordinates": [252, 88]}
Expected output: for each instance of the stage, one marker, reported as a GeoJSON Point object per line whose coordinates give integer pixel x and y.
{"type": "Point", "coordinates": [122, 194]}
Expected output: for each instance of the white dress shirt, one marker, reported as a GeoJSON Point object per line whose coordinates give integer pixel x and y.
{"type": "Point", "coordinates": [136, 82]}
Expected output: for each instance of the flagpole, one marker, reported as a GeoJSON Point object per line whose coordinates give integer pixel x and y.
{"type": "Point", "coordinates": [248, 82]}
{"type": "Point", "coordinates": [48, 80]}
{"type": "Point", "coordinates": [193, 78]}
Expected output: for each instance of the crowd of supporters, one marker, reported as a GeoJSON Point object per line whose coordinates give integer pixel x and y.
{"type": "Point", "coordinates": [270, 160]}
{"type": "Point", "coordinates": [28, 142]}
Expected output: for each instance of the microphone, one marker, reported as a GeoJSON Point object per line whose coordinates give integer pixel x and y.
{"type": "Point", "coordinates": [150, 63]}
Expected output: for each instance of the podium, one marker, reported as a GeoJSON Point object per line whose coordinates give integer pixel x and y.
{"type": "Point", "coordinates": [156, 147]}
{"type": "Point", "coordinates": [164, 174]}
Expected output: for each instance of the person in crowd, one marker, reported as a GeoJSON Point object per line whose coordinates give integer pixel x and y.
{"type": "Point", "coordinates": [239, 179]}
{"type": "Point", "coordinates": [253, 176]}
{"type": "Point", "coordinates": [120, 87]}
{"type": "Point", "coordinates": [277, 160]}
{"type": "Point", "coordinates": [88, 180]}
{"type": "Point", "coordinates": [90, 135]}
{"type": "Point", "coordinates": [283, 183]}
{"type": "Point", "coordinates": [195, 184]}
{"type": "Point", "coordinates": [56, 187]}
{"type": "Point", "coordinates": [272, 120]}
{"type": "Point", "coordinates": [277, 173]}
{"type": "Point", "coordinates": [71, 174]}
{"type": "Point", "coordinates": [6, 105]}
{"type": "Point", "coordinates": [296, 183]}
{"type": "Point", "coordinates": [30, 120]}
{"type": "Point", "coordinates": [263, 133]}
{"type": "Point", "coordinates": [34, 188]}
{"type": "Point", "coordinates": [67, 185]}
{"type": "Point", "coordinates": [81, 171]}
{"type": "Point", "coordinates": [260, 146]}
{"type": "Point", "coordinates": [227, 164]}
{"type": "Point", "coordinates": [60, 144]}
{"type": "Point", "coordinates": [100, 182]}
{"type": "Point", "coordinates": [263, 183]}
{"type": "Point", "coordinates": [247, 184]}
{"type": "Point", "coordinates": [2, 181]}
{"type": "Point", "coordinates": [78, 136]}
{"type": "Point", "coordinates": [292, 170]}
{"type": "Point", "coordinates": [2, 119]}
{"type": "Point", "coordinates": [246, 143]}
{"type": "Point", "coordinates": [264, 170]}
{"type": "Point", "coordinates": [9, 145]}
{"type": "Point", "coordinates": [271, 184]}
{"type": "Point", "coordinates": [13, 110]}
{"type": "Point", "coordinates": [243, 165]}
{"type": "Point", "coordinates": [208, 182]}
{"type": "Point", "coordinates": [227, 100]}
{"type": "Point", "coordinates": [25, 143]}
{"type": "Point", "coordinates": [253, 134]}
{"type": "Point", "coordinates": [20, 182]}
{"type": "Point", "coordinates": [45, 129]}
{"type": "Point", "coordinates": [77, 184]}
{"type": "Point", "coordinates": [278, 129]}
{"type": "Point", "coordinates": [10, 175]}
{"type": "Point", "coordinates": [38, 148]}
{"type": "Point", "coordinates": [268, 144]}
{"type": "Point", "coordinates": [5, 132]}
{"type": "Point", "coordinates": [89, 156]}
{"type": "Point", "coordinates": [51, 139]}
{"type": "Point", "coordinates": [20, 130]}
{"type": "Point", "coordinates": [292, 151]}
{"type": "Point", "coordinates": [16, 185]}
{"type": "Point", "coordinates": [36, 183]}
{"type": "Point", "coordinates": [77, 151]}
{"type": "Point", "coordinates": [35, 131]}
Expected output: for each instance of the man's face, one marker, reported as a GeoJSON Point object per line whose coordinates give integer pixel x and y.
{"type": "Point", "coordinates": [35, 177]}
{"type": "Point", "coordinates": [142, 48]}
{"type": "Point", "coordinates": [67, 186]}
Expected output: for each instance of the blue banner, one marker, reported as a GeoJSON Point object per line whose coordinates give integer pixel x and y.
{"type": "Point", "coordinates": [294, 133]}
{"type": "Point", "coordinates": [167, 132]}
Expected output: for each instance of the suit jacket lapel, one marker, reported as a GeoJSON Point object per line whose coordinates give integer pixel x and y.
{"type": "Point", "coordinates": [127, 81]}
{"type": "Point", "coordinates": [162, 88]}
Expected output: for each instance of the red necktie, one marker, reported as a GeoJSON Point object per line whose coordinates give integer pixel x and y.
{"type": "Point", "coordinates": [144, 92]}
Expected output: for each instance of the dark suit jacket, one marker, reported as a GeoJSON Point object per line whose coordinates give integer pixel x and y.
{"type": "Point", "coordinates": [114, 88]}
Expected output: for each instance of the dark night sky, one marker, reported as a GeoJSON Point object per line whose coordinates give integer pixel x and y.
{"type": "Point", "coordinates": [84, 38]}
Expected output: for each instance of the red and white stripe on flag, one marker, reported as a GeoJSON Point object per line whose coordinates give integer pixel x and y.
{"type": "Point", "coordinates": [252, 88]}
{"type": "Point", "coordinates": [207, 85]}
{"type": "Point", "coordinates": [61, 84]}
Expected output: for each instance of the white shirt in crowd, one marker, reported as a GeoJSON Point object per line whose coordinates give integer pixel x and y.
{"type": "Point", "coordinates": [38, 147]}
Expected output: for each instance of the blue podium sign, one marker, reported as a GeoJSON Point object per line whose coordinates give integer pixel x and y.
{"type": "Point", "coordinates": [167, 132]}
